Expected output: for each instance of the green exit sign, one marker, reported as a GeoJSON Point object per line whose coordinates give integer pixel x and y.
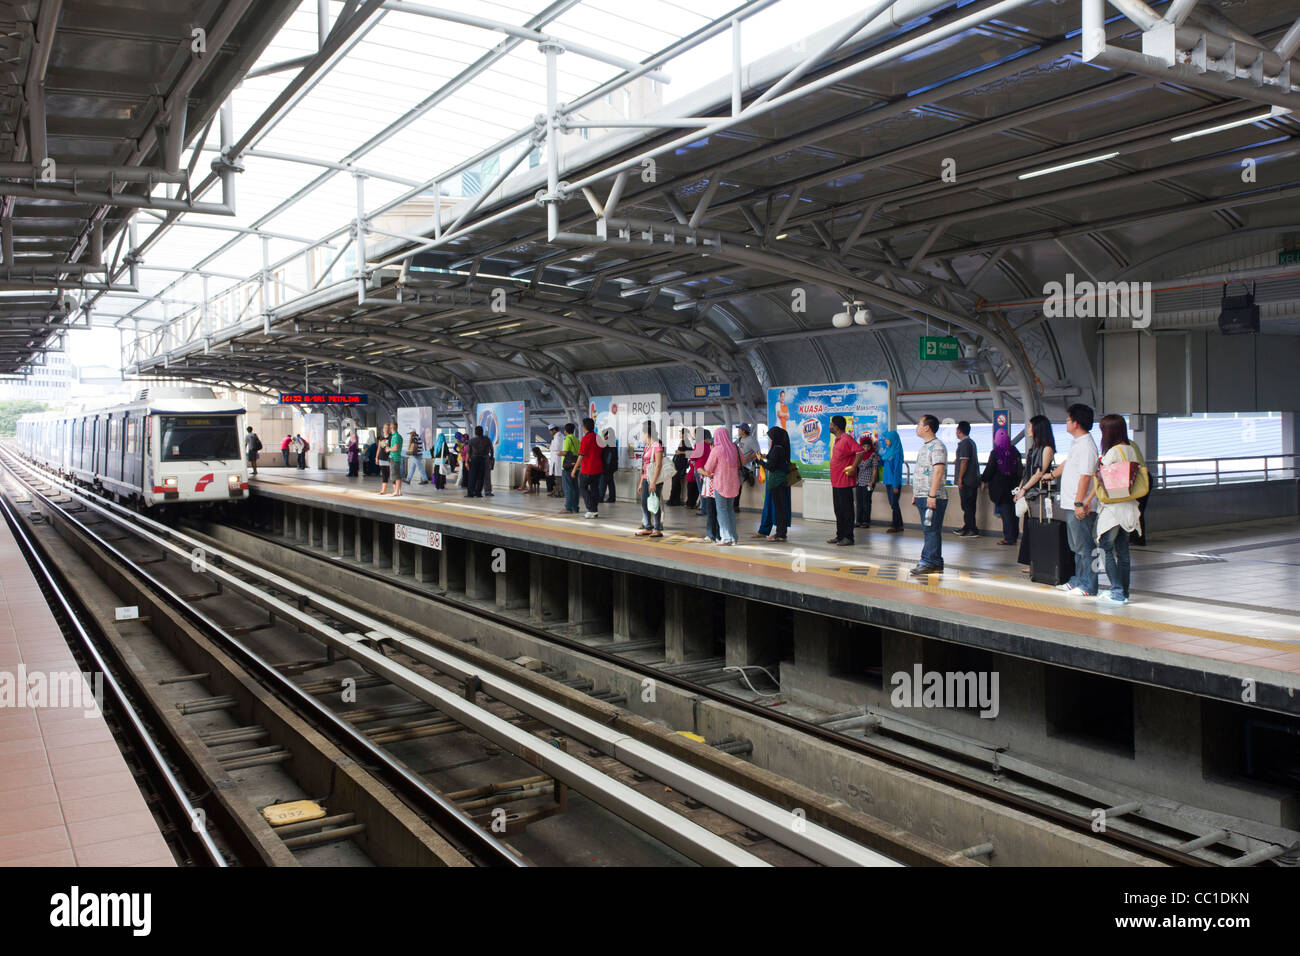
{"type": "Point", "coordinates": [1288, 257]}
{"type": "Point", "coordinates": [940, 348]}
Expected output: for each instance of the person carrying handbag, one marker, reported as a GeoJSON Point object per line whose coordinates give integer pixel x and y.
{"type": "Point", "coordinates": [1120, 515]}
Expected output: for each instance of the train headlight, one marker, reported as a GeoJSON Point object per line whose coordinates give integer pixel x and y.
{"type": "Point", "coordinates": [169, 482]}
{"type": "Point", "coordinates": [232, 480]}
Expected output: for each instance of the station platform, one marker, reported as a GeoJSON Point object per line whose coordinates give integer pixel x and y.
{"type": "Point", "coordinates": [67, 797]}
{"type": "Point", "coordinates": [1211, 609]}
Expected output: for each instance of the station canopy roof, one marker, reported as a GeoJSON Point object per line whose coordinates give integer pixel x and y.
{"type": "Point", "coordinates": [938, 163]}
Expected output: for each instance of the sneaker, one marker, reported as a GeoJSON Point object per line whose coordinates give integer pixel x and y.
{"type": "Point", "coordinates": [923, 569]}
{"type": "Point", "coordinates": [1111, 598]}
{"type": "Point", "coordinates": [832, 540]}
{"type": "Point", "coordinates": [591, 514]}
{"type": "Point", "coordinates": [844, 543]}
{"type": "Point", "coordinates": [1067, 587]}
{"type": "Point", "coordinates": [959, 532]}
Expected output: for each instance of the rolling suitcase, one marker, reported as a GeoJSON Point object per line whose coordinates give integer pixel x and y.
{"type": "Point", "coordinates": [1050, 559]}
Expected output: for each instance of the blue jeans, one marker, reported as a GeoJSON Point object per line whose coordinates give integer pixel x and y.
{"type": "Point", "coordinates": [1114, 546]}
{"type": "Point", "coordinates": [894, 495]}
{"type": "Point", "coordinates": [726, 517]}
{"type": "Point", "coordinates": [1083, 538]}
{"type": "Point", "coordinates": [570, 492]}
{"type": "Point", "coordinates": [932, 549]}
{"type": "Point", "coordinates": [416, 470]}
{"type": "Point", "coordinates": [709, 506]}
{"type": "Point", "coordinates": [652, 522]}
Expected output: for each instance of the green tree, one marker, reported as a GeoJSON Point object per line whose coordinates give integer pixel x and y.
{"type": "Point", "coordinates": [11, 411]}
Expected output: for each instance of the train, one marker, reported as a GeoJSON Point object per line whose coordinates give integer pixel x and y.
{"type": "Point", "coordinates": [170, 448]}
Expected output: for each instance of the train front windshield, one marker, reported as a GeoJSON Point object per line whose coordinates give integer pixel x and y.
{"type": "Point", "coordinates": [199, 438]}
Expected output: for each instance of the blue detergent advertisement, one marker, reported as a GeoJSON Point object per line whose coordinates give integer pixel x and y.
{"type": "Point", "coordinates": [504, 425]}
{"type": "Point", "coordinates": [805, 411]}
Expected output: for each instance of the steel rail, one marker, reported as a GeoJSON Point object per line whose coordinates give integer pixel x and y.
{"type": "Point", "coordinates": [121, 701]}
{"type": "Point", "coordinates": [682, 835]}
{"type": "Point", "coordinates": [858, 745]}
{"type": "Point", "coordinates": [481, 845]}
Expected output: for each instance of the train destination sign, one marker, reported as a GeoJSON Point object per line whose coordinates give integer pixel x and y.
{"type": "Point", "coordinates": [323, 398]}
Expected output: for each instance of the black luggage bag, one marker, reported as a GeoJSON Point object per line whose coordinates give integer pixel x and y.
{"type": "Point", "coordinates": [1050, 559]}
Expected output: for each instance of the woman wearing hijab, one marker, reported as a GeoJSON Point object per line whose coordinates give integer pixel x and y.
{"type": "Point", "coordinates": [1002, 476]}
{"type": "Point", "coordinates": [681, 461]}
{"type": "Point", "coordinates": [722, 469]}
{"type": "Point", "coordinates": [354, 454]}
{"type": "Point", "coordinates": [694, 483]}
{"type": "Point", "coordinates": [866, 479]}
{"type": "Point", "coordinates": [891, 460]}
{"type": "Point", "coordinates": [776, 492]}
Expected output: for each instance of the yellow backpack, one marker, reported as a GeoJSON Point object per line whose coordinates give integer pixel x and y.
{"type": "Point", "coordinates": [1140, 486]}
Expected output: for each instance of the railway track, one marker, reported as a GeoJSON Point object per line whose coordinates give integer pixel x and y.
{"type": "Point", "coordinates": [416, 690]}
{"type": "Point", "coordinates": [987, 774]}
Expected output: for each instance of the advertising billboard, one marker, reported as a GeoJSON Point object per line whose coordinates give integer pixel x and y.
{"type": "Point", "coordinates": [626, 414]}
{"type": "Point", "coordinates": [805, 411]}
{"type": "Point", "coordinates": [416, 419]}
{"type": "Point", "coordinates": [504, 425]}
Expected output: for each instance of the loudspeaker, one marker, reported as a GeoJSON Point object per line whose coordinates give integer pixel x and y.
{"type": "Point", "coordinates": [1239, 314]}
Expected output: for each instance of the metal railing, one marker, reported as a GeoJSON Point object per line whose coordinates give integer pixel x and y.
{"type": "Point", "coordinates": [1222, 470]}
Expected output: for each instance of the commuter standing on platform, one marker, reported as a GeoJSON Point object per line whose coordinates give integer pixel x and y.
{"type": "Point", "coordinates": [381, 459]}
{"type": "Point", "coordinates": [284, 449]}
{"type": "Point", "coordinates": [747, 449]}
{"type": "Point", "coordinates": [652, 483]}
{"type": "Point", "coordinates": [569, 461]}
{"type": "Point", "coordinates": [395, 457]}
{"type": "Point", "coordinates": [866, 482]}
{"type": "Point", "coordinates": [591, 468]}
{"type": "Point", "coordinates": [1035, 478]}
{"type": "Point", "coordinates": [480, 450]}
{"type": "Point", "coordinates": [681, 460]}
{"type": "Point", "coordinates": [846, 455]}
{"type": "Point", "coordinates": [252, 445]}
{"type": "Point", "coordinates": [1002, 475]}
{"type": "Point", "coordinates": [1075, 474]}
{"type": "Point", "coordinates": [354, 454]}
{"type": "Point", "coordinates": [487, 471]}
{"type": "Point", "coordinates": [891, 464]}
{"type": "Point", "coordinates": [705, 448]}
{"type": "Point", "coordinates": [776, 491]}
{"type": "Point", "coordinates": [967, 480]}
{"type": "Point", "coordinates": [554, 479]}
{"type": "Point", "coordinates": [701, 491]}
{"type": "Point", "coordinates": [609, 465]}
{"type": "Point", "coordinates": [415, 452]}
{"type": "Point", "coordinates": [1117, 520]}
{"type": "Point", "coordinates": [927, 480]}
{"type": "Point", "coordinates": [723, 472]}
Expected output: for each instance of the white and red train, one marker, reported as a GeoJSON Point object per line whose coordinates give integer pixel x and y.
{"type": "Point", "coordinates": [174, 446]}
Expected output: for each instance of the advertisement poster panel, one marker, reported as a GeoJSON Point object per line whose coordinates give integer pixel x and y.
{"type": "Point", "coordinates": [504, 424]}
{"type": "Point", "coordinates": [626, 414]}
{"type": "Point", "coordinates": [805, 411]}
{"type": "Point", "coordinates": [416, 419]}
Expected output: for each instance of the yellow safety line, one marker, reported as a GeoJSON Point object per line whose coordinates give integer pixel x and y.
{"type": "Point", "coordinates": [869, 573]}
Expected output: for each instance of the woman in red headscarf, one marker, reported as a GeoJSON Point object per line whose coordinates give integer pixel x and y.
{"type": "Point", "coordinates": [867, 469]}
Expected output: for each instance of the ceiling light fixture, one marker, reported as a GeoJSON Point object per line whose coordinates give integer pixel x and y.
{"type": "Point", "coordinates": [842, 320]}
{"type": "Point", "coordinates": [1271, 114]}
{"type": "Point", "coordinates": [861, 313]}
{"type": "Point", "coordinates": [1078, 162]}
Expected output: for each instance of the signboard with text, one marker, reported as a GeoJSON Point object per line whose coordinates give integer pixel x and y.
{"type": "Point", "coordinates": [805, 412]}
{"type": "Point", "coordinates": [939, 348]}
{"type": "Point", "coordinates": [323, 398]}
{"type": "Point", "coordinates": [722, 390]}
{"type": "Point", "coordinates": [421, 536]}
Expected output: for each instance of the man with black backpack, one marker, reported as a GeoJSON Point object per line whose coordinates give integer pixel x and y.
{"type": "Point", "coordinates": [252, 445]}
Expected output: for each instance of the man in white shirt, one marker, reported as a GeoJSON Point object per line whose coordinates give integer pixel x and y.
{"type": "Point", "coordinates": [1075, 474]}
{"type": "Point", "coordinates": [557, 461]}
